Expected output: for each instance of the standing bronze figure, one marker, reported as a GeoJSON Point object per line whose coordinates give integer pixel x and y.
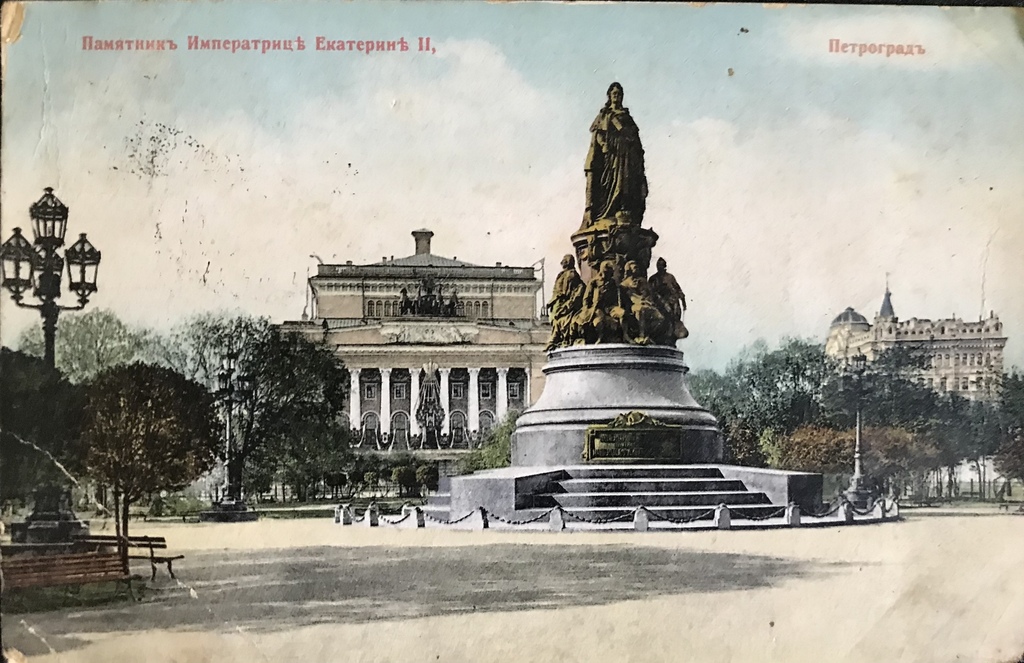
{"type": "Point", "coordinates": [616, 184]}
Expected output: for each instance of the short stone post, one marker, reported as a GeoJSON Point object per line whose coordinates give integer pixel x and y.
{"type": "Point", "coordinates": [421, 520]}
{"type": "Point", "coordinates": [343, 514]}
{"type": "Point", "coordinates": [793, 515]}
{"type": "Point", "coordinates": [723, 519]}
{"type": "Point", "coordinates": [483, 518]}
{"type": "Point", "coordinates": [372, 515]}
{"type": "Point", "coordinates": [846, 512]}
{"type": "Point", "coordinates": [640, 519]}
{"type": "Point", "coordinates": [878, 509]}
{"type": "Point", "coordinates": [556, 520]}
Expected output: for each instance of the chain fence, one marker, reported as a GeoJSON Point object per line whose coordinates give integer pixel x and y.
{"type": "Point", "coordinates": [880, 511]}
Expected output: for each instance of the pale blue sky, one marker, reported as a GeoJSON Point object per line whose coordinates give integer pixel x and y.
{"type": "Point", "coordinates": [783, 193]}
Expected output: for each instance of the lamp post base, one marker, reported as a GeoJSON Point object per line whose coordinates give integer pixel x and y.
{"type": "Point", "coordinates": [228, 511]}
{"type": "Point", "coordinates": [858, 495]}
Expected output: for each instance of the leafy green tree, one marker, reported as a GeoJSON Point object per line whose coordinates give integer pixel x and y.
{"type": "Point", "coordinates": [147, 429]}
{"type": "Point", "coordinates": [40, 418]}
{"type": "Point", "coordinates": [764, 393]}
{"type": "Point", "coordinates": [89, 342]}
{"type": "Point", "coordinates": [814, 449]}
{"type": "Point", "coordinates": [1010, 454]}
{"type": "Point", "coordinates": [496, 450]}
{"type": "Point", "coordinates": [427, 475]}
{"type": "Point", "coordinates": [403, 475]}
{"type": "Point", "coordinates": [293, 423]}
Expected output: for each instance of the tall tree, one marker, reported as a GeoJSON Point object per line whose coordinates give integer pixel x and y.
{"type": "Point", "coordinates": [293, 422]}
{"type": "Point", "coordinates": [148, 428]}
{"type": "Point", "coordinates": [89, 342]}
{"type": "Point", "coordinates": [40, 420]}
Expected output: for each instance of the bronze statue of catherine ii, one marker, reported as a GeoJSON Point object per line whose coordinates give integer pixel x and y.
{"type": "Point", "coordinates": [616, 184]}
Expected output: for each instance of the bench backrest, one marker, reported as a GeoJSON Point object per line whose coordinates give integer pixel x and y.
{"type": "Point", "coordinates": [157, 542]}
{"type": "Point", "coordinates": [53, 570]}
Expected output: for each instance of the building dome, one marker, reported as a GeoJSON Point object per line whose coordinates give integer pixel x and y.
{"type": "Point", "coordinates": [851, 318]}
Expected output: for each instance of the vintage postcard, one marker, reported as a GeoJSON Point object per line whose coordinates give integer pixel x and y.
{"type": "Point", "coordinates": [464, 331]}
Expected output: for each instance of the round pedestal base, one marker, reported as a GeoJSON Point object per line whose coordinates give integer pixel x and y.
{"type": "Point", "coordinates": [588, 387]}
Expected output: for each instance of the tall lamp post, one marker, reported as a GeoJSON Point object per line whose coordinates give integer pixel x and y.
{"type": "Point", "coordinates": [39, 266]}
{"type": "Point", "coordinates": [857, 493]}
{"type": "Point", "coordinates": [232, 389]}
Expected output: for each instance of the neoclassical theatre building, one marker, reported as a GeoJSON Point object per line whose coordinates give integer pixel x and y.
{"type": "Point", "coordinates": [966, 355]}
{"type": "Point", "coordinates": [478, 330]}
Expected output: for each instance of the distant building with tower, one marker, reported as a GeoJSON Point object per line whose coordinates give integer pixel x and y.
{"type": "Point", "coordinates": [478, 330]}
{"type": "Point", "coordinates": [966, 355]}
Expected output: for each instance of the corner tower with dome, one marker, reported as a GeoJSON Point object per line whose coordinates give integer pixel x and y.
{"type": "Point", "coordinates": [966, 356]}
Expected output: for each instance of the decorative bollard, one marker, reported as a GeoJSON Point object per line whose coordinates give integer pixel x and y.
{"type": "Point", "coordinates": [372, 516]}
{"type": "Point", "coordinates": [878, 510]}
{"type": "Point", "coordinates": [421, 520]}
{"type": "Point", "coordinates": [723, 519]}
{"type": "Point", "coordinates": [556, 520]}
{"type": "Point", "coordinates": [343, 514]}
{"type": "Point", "coordinates": [483, 517]}
{"type": "Point", "coordinates": [846, 512]}
{"type": "Point", "coordinates": [640, 519]}
{"type": "Point", "coordinates": [793, 515]}
{"type": "Point", "coordinates": [415, 513]}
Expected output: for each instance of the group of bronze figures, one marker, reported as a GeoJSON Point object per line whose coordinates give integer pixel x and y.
{"type": "Point", "coordinates": [619, 303]}
{"type": "Point", "coordinates": [616, 306]}
{"type": "Point", "coordinates": [429, 301]}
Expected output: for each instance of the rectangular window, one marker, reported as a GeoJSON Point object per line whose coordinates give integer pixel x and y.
{"type": "Point", "coordinates": [370, 391]}
{"type": "Point", "coordinates": [486, 390]}
{"type": "Point", "coordinates": [513, 390]}
{"type": "Point", "coordinates": [458, 390]}
{"type": "Point", "coordinates": [399, 390]}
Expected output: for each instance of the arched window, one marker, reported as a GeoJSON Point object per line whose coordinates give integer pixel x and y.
{"type": "Point", "coordinates": [462, 309]}
{"type": "Point", "coordinates": [956, 360]}
{"type": "Point", "coordinates": [988, 359]}
{"type": "Point", "coordinates": [970, 360]}
{"type": "Point", "coordinates": [369, 309]}
{"type": "Point", "coordinates": [964, 386]}
{"type": "Point", "coordinates": [371, 429]}
{"type": "Point", "coordinates": [483, 309]}
{"type": "Point", "coordinates": [942, 384]}
{"type": "Point", "coordinates": [476, 309]}
{"type": "Point", "coordinates": [400, 429]}
{"type": "Point", "coordinates": [387, 309]}
{"type": "Point", "coordinates": [486, 423]}
{"type": "Point", "coordinates": [457, 424]}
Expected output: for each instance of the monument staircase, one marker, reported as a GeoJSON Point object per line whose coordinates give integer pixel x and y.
{"type": "Point", "coordinates": [596, 493]}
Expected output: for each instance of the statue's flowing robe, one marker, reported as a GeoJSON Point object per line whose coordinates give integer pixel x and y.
{"type": "Point", "coordinates": [615, 164]}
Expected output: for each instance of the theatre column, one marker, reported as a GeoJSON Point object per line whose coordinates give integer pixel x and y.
{"type": "Point", "coordinates": [414, 400]}
{"type": "Point", "coordinates": [445, 373]}
{"type": "Point", "coordinates": [385, 401]}
{"type": "Point", "coordinates": [355, 413]}
{"type": "Point", "coordinates": [526, 387]}
{"type": "Point", "coordinates": [502, 396]}
{"type": "Point", "coordinates": [474, 399]}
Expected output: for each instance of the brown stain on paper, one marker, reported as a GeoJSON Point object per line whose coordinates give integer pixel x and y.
{"type": "Point", "coordinates": [12, 15]}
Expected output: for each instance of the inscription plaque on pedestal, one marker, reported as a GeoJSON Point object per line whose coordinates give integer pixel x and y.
{"type": "Point", "coordinates": [633, 437]}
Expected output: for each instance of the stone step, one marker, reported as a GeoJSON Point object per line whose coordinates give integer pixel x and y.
{"type": "Point", "coordinates": [643, 471]}
{"type": "Point", "coordinates": [576, 500]}
{"type": "Point", "coordinates": [650, 485]}
{"type": "Point", "coordinates": [736, 511]}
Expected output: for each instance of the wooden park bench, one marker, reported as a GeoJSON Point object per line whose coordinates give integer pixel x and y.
{"type": "Point", "coordinates": [25, 571]}
{"type": "Point", "coordinates": [151, 543]}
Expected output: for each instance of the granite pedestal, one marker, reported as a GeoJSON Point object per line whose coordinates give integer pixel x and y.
{"type": "Point", "coordinates": [592, 385]}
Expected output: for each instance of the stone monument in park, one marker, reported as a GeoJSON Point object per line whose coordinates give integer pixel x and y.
{"type": "Point", "coordinates": [616, 426]}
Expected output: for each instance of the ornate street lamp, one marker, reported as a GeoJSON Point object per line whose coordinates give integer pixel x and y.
{"type": "Point", "coordinates": [857, 493]}
{"type": "Point", "coordinates": [40, 266]}
{"type": "Point", "coordinates": [232, 390]}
